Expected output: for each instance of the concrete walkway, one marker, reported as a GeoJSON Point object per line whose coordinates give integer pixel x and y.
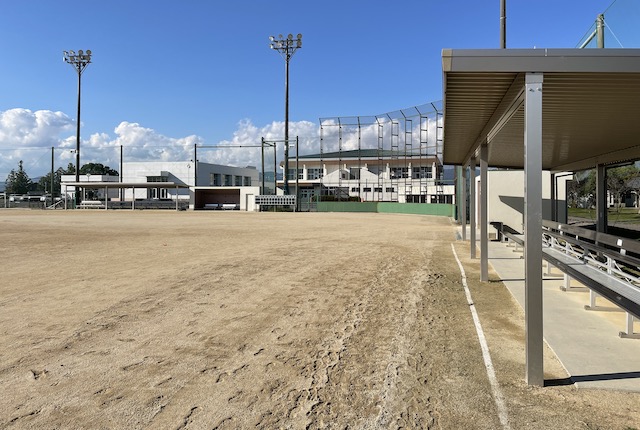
{"type": "Point", "coordinates": [585, 341]}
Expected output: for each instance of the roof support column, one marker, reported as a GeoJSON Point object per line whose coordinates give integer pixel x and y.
{"type": "Point", "coordinates": [462, 199]}
{"type": "Point", "coordinates": [601, 199]}
{"type": "Point", "coordinates": [463, 203]}
{"type": "Point", "coordinates": [484, 222]}
{"type": "Point", "coordinates": [472, 207]}
{"type": "Point", "coordinates": [554, 198]}
{"type": "Point", "coordinates": [533, 228]}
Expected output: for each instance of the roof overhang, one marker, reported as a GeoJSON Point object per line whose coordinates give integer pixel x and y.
{"type": "Point", "coordinates": [590, 105]}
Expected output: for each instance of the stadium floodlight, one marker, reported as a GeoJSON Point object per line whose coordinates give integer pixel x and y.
{"type": "Point", "coordinates": [286, 47]}
{"type": "Point", "coordinates": [79, 62]}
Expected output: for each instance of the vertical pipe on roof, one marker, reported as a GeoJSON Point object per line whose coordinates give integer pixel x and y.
{"type": "Point", "coordinates": [600, 30]}
{"type": "Point", "coordinates": [503, 24]}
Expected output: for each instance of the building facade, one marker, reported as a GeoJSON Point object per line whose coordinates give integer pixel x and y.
{"type": "Point", "coordinates": [186, 173]}
{"type": "Point", "coordinates": [369, 175]}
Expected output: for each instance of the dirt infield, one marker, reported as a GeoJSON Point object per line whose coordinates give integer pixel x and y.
{"type": "Point", "coordinates": [193, 320]}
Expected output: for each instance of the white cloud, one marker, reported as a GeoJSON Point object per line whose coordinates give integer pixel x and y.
{"type": "Point", "coordinates": [29, 136]}
{"type": "Point", "coordinates": [20, 128]}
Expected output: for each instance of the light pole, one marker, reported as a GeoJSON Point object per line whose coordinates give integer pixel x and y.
{"type": "Point", "coordinates": [79, 62]}
{"type": "Point", "coordinates": [286, 47]}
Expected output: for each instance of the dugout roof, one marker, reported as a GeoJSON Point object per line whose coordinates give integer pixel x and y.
{"type": "Point", "coordinates": [590, 105]}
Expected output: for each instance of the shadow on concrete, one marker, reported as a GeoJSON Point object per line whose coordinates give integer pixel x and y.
{"type": "Point", "coordinates": [591, 378]}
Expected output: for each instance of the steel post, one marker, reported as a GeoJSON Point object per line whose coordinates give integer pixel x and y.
{"type": "Point", "coordinates": [484, 222]}
{"type": "Point", "coordinates": [533, 229]}
{"type": "Point", "coordinates": [472, 207]}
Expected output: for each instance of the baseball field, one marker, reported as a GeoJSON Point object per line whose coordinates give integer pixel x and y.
{"type": "Point", "coordinates": [227, 320]}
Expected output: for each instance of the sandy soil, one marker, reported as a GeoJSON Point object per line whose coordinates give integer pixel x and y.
{"type": "Point", "coordinates": [194, 320]}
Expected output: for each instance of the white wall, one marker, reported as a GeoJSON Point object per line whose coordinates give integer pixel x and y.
{"type": "Point", "coordinates": [505, 202]}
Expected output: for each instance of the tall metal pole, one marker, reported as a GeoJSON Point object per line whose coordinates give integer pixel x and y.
{"type": "Point", "coordinates": [120, 191]}
{"type": "Point", "coordinates": [503, 24]}
{"type": "Point", "coordinates": [262, 151]}
{"type": "Point", "coordinates": [79, 62]}
{"type": "Point", "coordinates": [78, 138]}
{"type": "Point", "coordinates": [52, 175]}
{"type": "Point", "coordinates": [287, 47]}
{"type": "Point", "coordinates": [297, 177]}
{"type": "Point", "coordinates": [195, 165]}
{"type": "Point", "coordinates": [286, 125]}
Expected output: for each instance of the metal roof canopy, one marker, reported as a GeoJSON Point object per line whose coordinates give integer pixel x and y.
{"type": "Point", "coordinates": [546, 109]}
{"type": "Point", "coordinates": [590, 106]}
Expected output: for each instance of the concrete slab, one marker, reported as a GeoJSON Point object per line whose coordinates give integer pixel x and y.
{"type": "Point", "coordinates": [585, 341]}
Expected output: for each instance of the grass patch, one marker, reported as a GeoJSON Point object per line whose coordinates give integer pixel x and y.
{"type": "Point", "coordinates": [616, 215]}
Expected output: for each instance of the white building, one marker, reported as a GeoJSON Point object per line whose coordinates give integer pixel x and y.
{"type": "Point", "coordinates": [88, 193]}
{"type": "Point", "coordinates": [370, 175]}
{"type": "Point", "coordinates": [201, 185]}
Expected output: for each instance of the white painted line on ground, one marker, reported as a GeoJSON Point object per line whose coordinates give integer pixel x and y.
{"type": "Point", "coordinates": [497, 394]}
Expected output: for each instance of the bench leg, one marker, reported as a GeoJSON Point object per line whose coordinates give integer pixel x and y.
{"type": "Point", "coordinates": [629, 334]}
{"type": "Point", "coordinates": [592, 301]}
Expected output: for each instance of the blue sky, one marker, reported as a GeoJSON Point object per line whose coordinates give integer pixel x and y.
{"type": "Point", "coordinates": [173, 73]}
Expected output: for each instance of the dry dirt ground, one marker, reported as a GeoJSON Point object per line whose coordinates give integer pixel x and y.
{"type": "Point", "coordinates": [194, 320]}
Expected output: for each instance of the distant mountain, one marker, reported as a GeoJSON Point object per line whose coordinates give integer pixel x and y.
{"type": "Point", "coordinates": [449, 173]}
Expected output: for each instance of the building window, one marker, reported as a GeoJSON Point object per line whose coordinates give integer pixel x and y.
{"type": "Point", "coordinates": [157, 179]}
{"type": "Point", "coordinates": [314, 174]}
{"type": "Point", "coordinates": [216, 179]}
{"type": "Point", "coordinates": [247, 181]}
{"type": "Point", "coordinates": [355, 189]}
{"type": "Point", "coordinates": [422, 172]}
{"type": "Point", "coordinates": [228, 180]}
{"type": "Point", "coordinates": [399, 172]}
{"type": "Point", "coordinates": [292, 174]}
{"type": "Point", "coordinates": [354, 173]}
{"type": "Point", "coordinates": [391, 190]}
{"type": "Point", "coordinates": [377, 189]}
{"type": "Point", "coordinates": [238, 182]}
{"type": "Point", "coordinates": [366, 190]}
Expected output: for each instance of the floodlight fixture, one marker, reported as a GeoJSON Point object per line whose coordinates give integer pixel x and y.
{"type": "Point", "coordinates": [286, 47]}
{"type": "Point", "coordinates": [79, 61]}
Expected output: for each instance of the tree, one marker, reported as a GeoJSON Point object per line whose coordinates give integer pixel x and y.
{"type": "Point", "coordinates": [45, 182]}
{"type": "Point", "coordinates": [618, 182]}
{"type": "Point", "coordinates": [582, 190]}
{"type": "Point", "coordinates": [97, 169]}
{"type": "Point", "coordinates": [18, 182]}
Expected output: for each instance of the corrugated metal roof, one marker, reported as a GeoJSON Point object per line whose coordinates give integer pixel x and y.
{"type": "Point", "coordinates": [590, 105]}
